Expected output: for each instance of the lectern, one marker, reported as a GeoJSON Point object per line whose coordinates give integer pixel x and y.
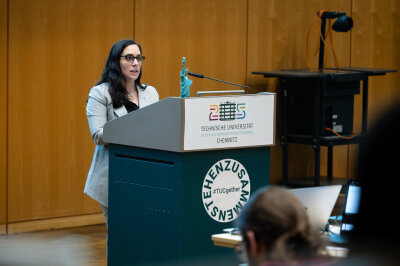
{"type": "Point", "coordinates": [181, 170]}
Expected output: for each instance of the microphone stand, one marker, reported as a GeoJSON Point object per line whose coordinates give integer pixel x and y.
{"type": "Point", "coordinates": [223, 81]}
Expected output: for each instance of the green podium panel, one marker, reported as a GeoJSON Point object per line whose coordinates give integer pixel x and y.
{"type": "Point", "coordinates": [164, 206]}
{"type": "Point", "coordinates": [180, 171]}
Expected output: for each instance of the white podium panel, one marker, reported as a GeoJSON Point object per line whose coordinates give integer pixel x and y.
{"type": "Point", "coordinates": [198, 123]}
{"type": "Point", "coordinates": [229, 122]}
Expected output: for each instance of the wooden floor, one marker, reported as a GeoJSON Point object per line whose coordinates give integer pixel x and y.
{"type": "Point", "coordinates": [77, 246]}
{"type": "Point", "coordinates": [73, 246]}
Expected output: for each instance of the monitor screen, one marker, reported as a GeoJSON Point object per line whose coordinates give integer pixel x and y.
{"type": "Point", "coordinates": [351, 208]}
{"type": "Point", "coordinates": [353, 199]}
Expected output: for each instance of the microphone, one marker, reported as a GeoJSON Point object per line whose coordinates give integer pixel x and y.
{"type": "Point", "coordinates": [202, 76]}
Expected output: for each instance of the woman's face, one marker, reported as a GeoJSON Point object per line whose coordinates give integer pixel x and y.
{"type": "Point", "coordinates": [130, 70]}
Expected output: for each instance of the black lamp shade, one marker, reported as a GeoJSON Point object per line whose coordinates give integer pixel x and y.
{"type": "Point", "coordinates": [343, 24]}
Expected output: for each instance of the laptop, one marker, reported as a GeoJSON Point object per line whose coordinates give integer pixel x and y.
{"type": "Point", "coordinates": [318, 202]}
{"type": "Point", "coordinates": [351, 207]}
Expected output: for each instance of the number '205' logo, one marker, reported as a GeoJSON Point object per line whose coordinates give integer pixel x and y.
{"type": "Point", "coordinates": [227, 111]}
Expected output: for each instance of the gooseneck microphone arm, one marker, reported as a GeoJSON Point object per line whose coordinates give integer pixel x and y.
{"type": "Point", "coordinates": [223, 81]}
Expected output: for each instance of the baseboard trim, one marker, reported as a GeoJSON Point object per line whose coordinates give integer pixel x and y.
{"type": "Point", "coordinates": [54, 223]}
{"type": "Point", "coordinates": [2, 229]}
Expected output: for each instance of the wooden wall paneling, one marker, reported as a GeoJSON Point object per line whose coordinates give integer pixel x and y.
{"type": "Point", "coordinates": [57, 50]}
{"type": "Point", "coordinates": [55, 223]}
{"type": "Point", "coordinates": [375, 44]}
{"type": "Point", "coordinates": [210, 34]}
{"type": "Point", "coordinates": [277, 37]}
{"type": "Point", "coordinates": [376, 38]}
{"type": "Point", "coordinates": [3, 114]}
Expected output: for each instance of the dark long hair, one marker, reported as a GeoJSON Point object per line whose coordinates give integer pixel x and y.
{"type": "Point", "coordinates": [112, 73]}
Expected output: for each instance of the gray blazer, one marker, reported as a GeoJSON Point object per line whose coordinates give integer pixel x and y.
{"type": "Point", "coordinates": [99, 111]}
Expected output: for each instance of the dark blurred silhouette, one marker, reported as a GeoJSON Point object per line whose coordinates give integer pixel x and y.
{"type": "Point", "coordinates": [375, 240]}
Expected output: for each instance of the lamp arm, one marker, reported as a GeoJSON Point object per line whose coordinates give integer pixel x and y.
{"type": "Point", "coordinates": [322, 42]}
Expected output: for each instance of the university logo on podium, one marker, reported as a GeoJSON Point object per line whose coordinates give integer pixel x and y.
{"type": "Point", "coordinates": [227, 111]}
{"type": "Point", "coordinates": [226, 189]}
{"type": "Point", "coordinates": [229, 122]}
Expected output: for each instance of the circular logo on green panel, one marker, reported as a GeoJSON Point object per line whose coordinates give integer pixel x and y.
{"type": "Point", "coordinates": [226, 189]}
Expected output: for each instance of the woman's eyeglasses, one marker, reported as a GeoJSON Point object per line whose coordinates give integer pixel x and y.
{"type": "Point", "coordinates": [130, 58]}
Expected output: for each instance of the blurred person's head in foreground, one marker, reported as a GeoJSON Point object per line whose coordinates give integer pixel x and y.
{"type": "Point", "coordinates": [275, 227]}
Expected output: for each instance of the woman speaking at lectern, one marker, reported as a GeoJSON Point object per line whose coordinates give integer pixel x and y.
{"type": "Point", "coordinates": [118, 92]}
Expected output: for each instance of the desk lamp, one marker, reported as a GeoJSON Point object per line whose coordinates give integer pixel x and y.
{"type": "Point", "coordinates": [342, 24]}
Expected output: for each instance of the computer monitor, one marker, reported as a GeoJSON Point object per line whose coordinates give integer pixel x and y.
{"type": "Point", "coordinates": [351, 207]}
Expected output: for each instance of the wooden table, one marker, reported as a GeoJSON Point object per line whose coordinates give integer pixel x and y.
{"type": "Point", "coordinates": [227, 240]}
{"type": "Point", "coordinates": [234, 241]}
